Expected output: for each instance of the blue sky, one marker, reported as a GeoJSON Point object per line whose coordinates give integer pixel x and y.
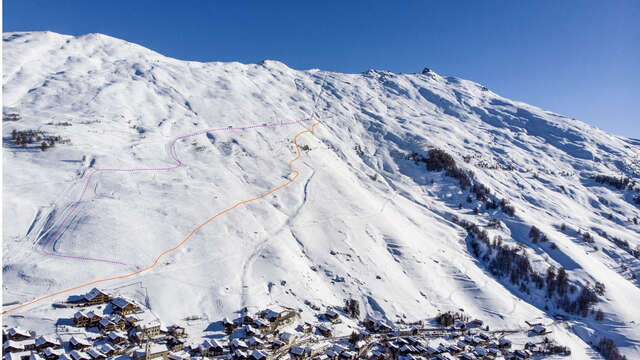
{"type": "Point", "coordinates": [577, 58]}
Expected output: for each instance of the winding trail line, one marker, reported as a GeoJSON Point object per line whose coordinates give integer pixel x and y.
{"type": "Point", "coordinates": [178, 164]}
{"type": "Point", "coordinates": [291, 169]}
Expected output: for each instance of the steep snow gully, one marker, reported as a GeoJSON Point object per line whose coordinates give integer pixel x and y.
{"type": "Point", "coordinates": [178, 164]}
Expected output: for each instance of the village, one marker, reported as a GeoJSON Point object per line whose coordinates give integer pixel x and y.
{"type": "Point", "coordinates": [106, 326]}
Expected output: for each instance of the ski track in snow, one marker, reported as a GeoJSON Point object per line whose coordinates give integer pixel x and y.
{"type": "Point", "coordinates": [178, 165]}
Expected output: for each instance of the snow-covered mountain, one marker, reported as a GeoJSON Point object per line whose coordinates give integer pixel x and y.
{"type": "Point", "coordinates": [406, 183]}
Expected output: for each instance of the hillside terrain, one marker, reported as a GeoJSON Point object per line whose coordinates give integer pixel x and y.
{"type": "Point", "coordinates": [417, 193]}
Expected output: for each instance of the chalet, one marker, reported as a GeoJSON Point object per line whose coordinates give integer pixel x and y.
{"type": "Point", "coordinates": [177, 331]}
{"type": "Point", "coordinates": [239, 354]}
{"type": "Point", "coordinates": [228, 325]}
{"type": "Point", "coordinates": [106, 325]}
{"type": "Point", "coordinates": [46, 342]}
{"type": "Point", "coordinates": [175, 344]}
{"type": "Point", "coordinates": [260, 324]}
{"type": "Point", "coordinates": [18, 334]}
{"type": "Point", "coordinates": [17, 356]}
{"type": "Point", "coordinates": [52, 354]}
{"type": "Point", "coordinates": [249, 330]}
{"type": "Point", "coordinates": [239, 344]}
{"type": "Point", "coordinates": [504, 343]}
{"type": "Point", "coordinates": [211, 347]}
{"type": "Point", "coordinates": [432, 351]}
{"type": "Point", "coordinates": [324, 330]}
{"type": "Point", "coordinates": [442, 348]}
{"type": "Point", "coordinates": [376, 355]}
{"type": "Point", "coordinates": [64, 356]}
{"type": "Point", "coordinates": [80, 319]}
{"type": "Point", "coordinates": [332, 316]}
{"type": "Point", "coordinates": [117, 337]}
{"type": "Point", "coordinates": [79, 343]}
{"type": "Point", "coordinates": [539, 329]}
{"type": "Point", "coordinates": [96, 296]}
{"type": "Point", "coordinates": [96, 354]}
{"type": "Point", "coordinates": [297, 352]}
{"type": "Point", "coordinates": [525, 354]}
{"type": "Point", "coordinates": [108, 349]}
{"type": "Point", "coordinates": [180, 355]}
{"type": "Point", "coordinates": [94, 318]}
{"type": "Point", "coordinates": [287, 337]}
{"type": "Point", "coordinates": [332, 354]}
{"type": "Point", "coordinates": [493, 351]}
{"type": "Point", "coordinates": [444, 356]}
{"type": "Point", "coordinates": [476, 322]}
{"type": "Point", "coordinates": [247, 319]}
{"type": "Point", "coordinates": [467, 356]}
{"type": "Point", "coordinates": [383, 328]}
{"type": "Point", "coordinates": [150, 329]}
{"type": "Point", "coordinates": [79, 355]}
{"type": "Point", "coordinates": [35, 356]}
{"type": "Point", "coordinates": [270, 315]}
{"type": "Point", "coordinates": [277, 344]}
{"type": "Point", "coordinates": [259, 355]}
{"type": "Point", "coordinates": [348, 355]}
{"type": "Point", "coordinates": [123, 306]}
{"type": "Point", "coordinates": [131, 320]}
{"type": "Point", "coordinates": [480, 351]}
{"type": "Point", "coordinates": [255, 343]}
{"type": "Point", "coordinates": [454, 349]}
{"type": "Point", "coordinates": [11, 346]}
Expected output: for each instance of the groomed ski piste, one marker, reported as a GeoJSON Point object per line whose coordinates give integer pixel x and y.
{"type": "Point", "coordinates": [363, 220]}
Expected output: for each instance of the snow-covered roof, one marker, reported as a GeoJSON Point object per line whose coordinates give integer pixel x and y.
{"type": "Point", "coordinates": [93, 293]}
{"type": "Point", "coordinates": [79, 340]}
{"type": "Point", "coordinates": [117, 334]}
{"type": "Point", "coordinates": [95, 353]}
{"type": "Point", "coordinates": [35, 356]}
{"type": "Point", "coordinates": [121, 302]}
{"type": "Point", "coordinates": [79, 355]}
{"type": "Point", "coordinates": [44, 339]}
{"type": "Point", "coordinates": [13, 344]}
{"type": "Point", "coordinates": [18, 331]}
{"type": "Point", "coordinates": [238, 343]}
{"type": "Point", "coordinates": [63, 356]}
{"type": "Point", "coordinates": [53, 352]}
{"type": "Point", "coordinates": [258, 355]}
{"type": "Point", "coordinates": [297, 350]}
{"type": "Point", "coordinates": [180, 355]}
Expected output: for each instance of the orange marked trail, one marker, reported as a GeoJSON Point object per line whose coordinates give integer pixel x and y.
{"type": "Point", "coordinates": [295, 175]}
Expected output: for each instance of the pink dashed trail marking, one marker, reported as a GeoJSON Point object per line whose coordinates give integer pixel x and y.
{"type": "Point", "coordinates": [178, 164]}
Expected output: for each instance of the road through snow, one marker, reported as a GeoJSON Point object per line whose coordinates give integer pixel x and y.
{"type": "Point", "coordinates": [178, 164]}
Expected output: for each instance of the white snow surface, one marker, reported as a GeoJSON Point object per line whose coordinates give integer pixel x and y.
{"type": "Point", "coordinates": [371, 218]}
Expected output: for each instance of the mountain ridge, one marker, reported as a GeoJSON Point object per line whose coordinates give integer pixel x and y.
{"type": "Point", "coordinates": [366, 200]}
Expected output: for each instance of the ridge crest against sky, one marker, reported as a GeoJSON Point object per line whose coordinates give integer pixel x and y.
{"type": "Point", "coordinates": [577, 58]}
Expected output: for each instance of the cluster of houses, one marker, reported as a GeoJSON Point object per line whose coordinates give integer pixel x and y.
{"type": "Point", "coordinates": [110, 327]}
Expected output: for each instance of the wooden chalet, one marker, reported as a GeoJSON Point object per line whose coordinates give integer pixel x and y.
{"type": "Point", "coordinates": [79, 343]}
{"type": "Point", "coordinates": [96, 297]}
{"type": "Point", "coordinates": [324, 330]}
{"type": "Point", "coordinates": [52, 354]}
{"type": "Point", "coordinates": [123, 306]}
{"type": "Point", "coordinates": [47, 342]}
{"type": "Point", "coordinates": [79, 355]}
{"type": "Point", "coordinates": [96, 354]}
{"type": "Point", "coordinates": [80, 319]}
{"type": "Point", "coordinates": [18, 334]}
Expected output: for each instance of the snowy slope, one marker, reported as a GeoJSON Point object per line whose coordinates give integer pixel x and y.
{"type": "Point", "coordinates": [362, 220]}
